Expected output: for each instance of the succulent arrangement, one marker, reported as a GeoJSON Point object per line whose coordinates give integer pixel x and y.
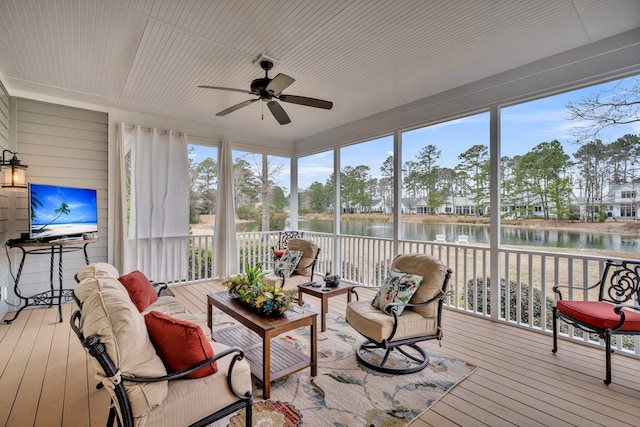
{"type": "Point", "coordinates": [250, 288]}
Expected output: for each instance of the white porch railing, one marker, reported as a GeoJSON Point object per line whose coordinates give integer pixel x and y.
{"type": "Point", "coordinates": [527, 276]}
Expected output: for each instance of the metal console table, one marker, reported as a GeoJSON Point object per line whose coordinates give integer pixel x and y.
{"type": "Point", "coordinates": [53, 295]}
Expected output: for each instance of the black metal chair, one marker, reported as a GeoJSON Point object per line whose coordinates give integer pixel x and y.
{"type": "Point", "coordinates": [303, 272]}
{"type": "Point", "coordinates": [283, 242]}
{"type": "Point", "coordinates": [611, 314]}
{"type": "Point", "coordinates": [420, 321]}
{"type": "Point", "coordinates": [121, 413]}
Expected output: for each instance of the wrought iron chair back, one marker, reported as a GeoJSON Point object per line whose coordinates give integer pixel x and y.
{"type": "Point", "coordinates": [283, 242]}
{"type": "Point", "coordinates": [619, 283]}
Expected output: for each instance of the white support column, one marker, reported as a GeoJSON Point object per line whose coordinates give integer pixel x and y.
{"type": "Point", "coordinates": [494, 231]}
{"type": "Point", "coordinates": [293, 193]}
{"type": "Point", "coordinates": [337, 255]}
{"type": "Point", "coordinates": [397, 190]}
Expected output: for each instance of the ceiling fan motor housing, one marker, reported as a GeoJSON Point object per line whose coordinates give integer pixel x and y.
{"type": "Point", "coordinates": [258, 86]}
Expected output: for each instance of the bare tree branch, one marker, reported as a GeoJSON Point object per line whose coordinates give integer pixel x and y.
{"type": "Point", "coordinates": [619, 105]}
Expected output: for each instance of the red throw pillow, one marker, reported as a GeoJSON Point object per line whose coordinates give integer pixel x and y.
{"type": "Point", "coordinates": [140, 289]}
{"type": "Point", "coordinates": [180, 344]}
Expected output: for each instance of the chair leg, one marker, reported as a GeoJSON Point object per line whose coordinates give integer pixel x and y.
{"type": "Point", "coordinates": [249, 414]}
{"type": "Point", "coordinates": [607, 349]}
{"type": "Point", "coordinates": [384, 359]}
{"type": "Point", "coordinates": [555, 330]}
{"type": "Point", "coordinates": [421, 361]}
{"type": "Point", "coordinates": [112, 417]}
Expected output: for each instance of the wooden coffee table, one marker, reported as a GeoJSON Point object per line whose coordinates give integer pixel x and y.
{"type": "Point", "coordinates": [269, 361]}
{"type": "Point", "coordinates": [324, 293]}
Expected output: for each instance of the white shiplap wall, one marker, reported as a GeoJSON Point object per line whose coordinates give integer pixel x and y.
{"type": "Point", "coordinates": [4, 196]}
{"type": "Point", "coordinates": [62, 146]}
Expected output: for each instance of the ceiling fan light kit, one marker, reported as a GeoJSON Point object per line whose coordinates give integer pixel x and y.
{"type": "Point", "coordinates": [268, 90]}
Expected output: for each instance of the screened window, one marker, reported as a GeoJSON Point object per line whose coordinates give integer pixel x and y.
{"type": "Point", "coordinates": [445, 170]}
{"type": "Point", "coordinates": [315, 192]}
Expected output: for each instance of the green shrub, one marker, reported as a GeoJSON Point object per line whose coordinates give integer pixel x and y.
{"type": "Point", "coordinates": [381, 271]}
{"type": "Point", "coordinates": [199, 263]}
{"type": "Point", "coordinates": [247, 213]}
{"type": "Point", "coordinates": [483, 293]}
{"type": "Point", "coordinates": [253, 254]}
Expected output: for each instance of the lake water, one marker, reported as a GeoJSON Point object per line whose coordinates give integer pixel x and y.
{"type": "Point", "coordinates": [515, 236]}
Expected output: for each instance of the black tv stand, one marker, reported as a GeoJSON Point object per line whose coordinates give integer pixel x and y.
{"type": "Point", "coordinates": [52, 296]}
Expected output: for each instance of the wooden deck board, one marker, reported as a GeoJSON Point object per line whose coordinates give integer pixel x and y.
{"type": "Point", "coordinates": [51, 399]}
{"type": "Point", "coordinates": [518, 380]}
{"type": "Point", "coordinates": [16, 374]}
{"type": "Point", "coordinates": [539, 370]}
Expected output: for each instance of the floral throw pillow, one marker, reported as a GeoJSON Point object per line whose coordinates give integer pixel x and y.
{"type": "Point", "coordinates": [288, 263]}
{"type": "Point", "coordinates": [399, 287]}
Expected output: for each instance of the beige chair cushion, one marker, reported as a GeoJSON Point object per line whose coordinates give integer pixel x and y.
{"type": "Point", "coordinates": [92, 285]}
{"type": "Point", "coordinates": [309, 250]}
{"type": "Point", "coordinates": [168, 305]}
{"type": "Point", "coordinates": [432, 271]}
{"type": "Point", "coordinates": [290, 283]}
{"type": "Point", "coordinates": [98, 269]}
{"type": "Point", "coordinates": [190, 400]}
{"type": "Point", "coordinates": [371, 322]}
{"type": "Point", "coordinates": [110, 314]}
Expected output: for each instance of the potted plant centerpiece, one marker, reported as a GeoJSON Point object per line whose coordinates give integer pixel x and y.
{"type": "Point", "coordinates": [250, 288]}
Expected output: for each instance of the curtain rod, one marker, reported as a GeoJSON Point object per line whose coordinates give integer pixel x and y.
{"type": "Point", "coordinates": [149, 129]}
{"type": "Point", "coordinates": [209, 140]}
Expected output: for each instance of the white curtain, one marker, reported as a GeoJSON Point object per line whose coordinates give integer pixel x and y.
{"type": "Point", "coordinates": [120, 204]}
{"type": "Point", "coordinates": [225, 261]}
{"type": "Point", "coordinates": [158, 228]}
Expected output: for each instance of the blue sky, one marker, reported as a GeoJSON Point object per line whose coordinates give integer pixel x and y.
{"type": "Point", "coordinates": [523, 127]}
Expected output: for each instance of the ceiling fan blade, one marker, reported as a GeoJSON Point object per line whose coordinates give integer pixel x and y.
{"type": "Point", "coordinates": [309, 102]}
{"type": "Point", "coordinates": [230, 89]}
{"type": "Point", "coordinates": [278, 112]}
{"type": "Point", "coordinates": [236, 107]}
{"type": "Point", "coordinates": [279, 83]}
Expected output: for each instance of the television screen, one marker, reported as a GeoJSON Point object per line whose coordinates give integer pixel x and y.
{"type": "Point", "coordinates": [57, 212]}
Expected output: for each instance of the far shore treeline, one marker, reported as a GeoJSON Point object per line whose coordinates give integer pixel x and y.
{"type": "Point", "coordinates": [546, 177]}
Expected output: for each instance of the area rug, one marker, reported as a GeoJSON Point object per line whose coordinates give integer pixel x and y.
{"type": "Point", "coordinates": [344, 393]}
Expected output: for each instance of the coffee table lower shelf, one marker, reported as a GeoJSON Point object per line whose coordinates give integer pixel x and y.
{"type": "Point", "coordinates": [285, 360]}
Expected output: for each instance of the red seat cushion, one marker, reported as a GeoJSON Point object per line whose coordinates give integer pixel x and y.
{"type": "Point", "coordinates": [599, 314]}
{"type": "Point", "coordinates": [279, 253]}
{"type": "Point", "coordinates": [140, 289]}
{"type": "Point", "coordinates": [180, 344]}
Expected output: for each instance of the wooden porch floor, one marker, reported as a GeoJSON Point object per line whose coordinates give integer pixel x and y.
{"type": "Point", "coordinates": [46, 380]}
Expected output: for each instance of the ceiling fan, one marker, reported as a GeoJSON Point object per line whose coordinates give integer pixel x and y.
{"type": "Point", "coordinates": [268, 90]}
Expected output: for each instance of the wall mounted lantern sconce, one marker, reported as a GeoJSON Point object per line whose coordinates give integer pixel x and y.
{"type": "Point", "coordinates": [14, 173]}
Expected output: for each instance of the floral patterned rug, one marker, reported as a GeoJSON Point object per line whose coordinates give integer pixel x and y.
{"type": "Point", "coordinates": [344, 393]}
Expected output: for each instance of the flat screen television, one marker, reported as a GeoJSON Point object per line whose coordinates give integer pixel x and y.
{"type": "Point", "coordinates": [58, 212]}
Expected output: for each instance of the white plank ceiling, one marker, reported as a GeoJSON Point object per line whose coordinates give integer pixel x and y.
{"type": "Point", "coordinates": [366, 56]}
